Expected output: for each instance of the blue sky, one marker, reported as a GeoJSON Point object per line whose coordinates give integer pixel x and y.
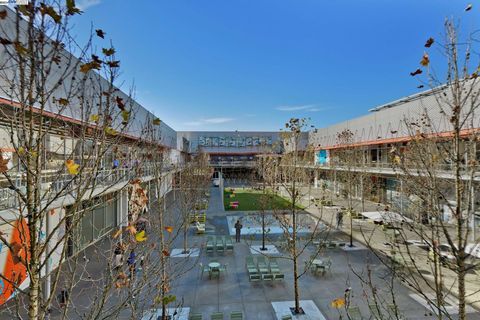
{"type": "Point", "coordinates": [253, 64]}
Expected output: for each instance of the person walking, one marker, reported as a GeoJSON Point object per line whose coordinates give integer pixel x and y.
{"type": "Point", "coordinates": [132, 263]}
{"type": "Point", "coordinates": [238, 230]}
{"type": "Point", "coordinates": [339, 219]}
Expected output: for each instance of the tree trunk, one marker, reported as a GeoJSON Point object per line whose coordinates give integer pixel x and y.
{"type": "Point", "coordinates": [34, 292]}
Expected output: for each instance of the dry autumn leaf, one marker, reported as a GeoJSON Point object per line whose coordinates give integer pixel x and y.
{"type": "Point", "coordinates": [94, 117]}
{"type": "Point", "coordinates": [117, 233]}
{"type": "Point", "coordinates": [3, 14]}
{"type": "Point", "coordinates": [425, 60]}
{"type": "Point", "coordinates": [63, 102]}
{"type": "Point", "coordinates": [120, 103]}
{"type": "Point", "coordinates": [71, 8]}
{"type": "Point", "coordinates": [338, 303]}
{"type": "Point", "coordinates": [125, 116]}
{"type": "Point", "coordinates": [166, 253]}
{"type": "Point", "coordinates": [72, 167]}
{"type": "Point", "coordinates": [429, 42]}
{"type": "Point", "coordinates": [92, 65]}
{"type": "Point", "coordinates": [108, 52]}
{"type": "Point", "coordinates": [100, 33]}
{"type": "Point", "coordinates": [110, 131]}
{"type": "Point", "coordinates": [416, 72]}
{"type": "Point", "coordinates": [156, 121]}
{"type": "Point", "coordinates": [169, 229]}
{"type": "Point", "coordinates": [3, 164]}
{"type": "Point", "coordinates": [131, 229]}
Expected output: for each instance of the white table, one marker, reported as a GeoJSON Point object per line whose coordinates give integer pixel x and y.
{"type": "Point", "coordinates": [214, 265]}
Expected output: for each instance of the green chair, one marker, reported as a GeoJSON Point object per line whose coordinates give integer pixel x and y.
{"type": "Point", "coordinates": [224, 267]}
{"type": "Point", "coordinates": [219, 245]}
{"type": "Point", "coordinates": [274, 268]}
{"type": "Point", "coordinates": [210, 245]}
{"type": "Point", "coordinates": [254, 277]}
{"type": "Point", "coordinates": [236, 315]}
{"type": "Point", "coordinates": [262, 265]}
{"type": "Point", "coordinates": [354, 313]}
{"type": "Point", "coordinates": [228, 244]}
{"type": "Point", "coordinates": [217, 316]}
{"type": "Point", "coordinates": [267, 277]}
{"type": "Point", "coordinates": [203, 269]}
{"type": "Point", "coordinates": [278, 277]}
{"type": "Point", "coordinates": [195, 316]}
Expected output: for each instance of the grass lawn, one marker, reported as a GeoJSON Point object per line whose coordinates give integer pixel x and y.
{"type": "Point", "coordinates": [250, 200]}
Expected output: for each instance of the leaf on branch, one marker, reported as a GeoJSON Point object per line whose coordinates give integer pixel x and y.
{"type": "Point", "coordinates": [420, 86]}
{"type": "Point", "coordinates": [429, 42]}
{"type": "Point", "coordinates": [94, 117]}
{"type": "Point", "coordinates": [169, 229]}
{"type": "Point", "coordinates": [114, 64]}
{"type": "Point", "coordinates": [416, 72]}
{"type": "Point", "coordinates": [25, 9]}
{"type": "Point", "coordinates": [63, 102]}
{"type": "Point", "coordinates": [5, 41]}
{"type": "Point", "coordinates": [100, 33]}
{"type": "Point", "coordinates": [21, 50]}
{"type": "Point", "coordinates": [86, 67]}
{"type": "Point", "coordinates": [117, 233]}
{"type": "Point", "coordinates": [132, 229]}
{"type": "Point", "coordinates": [21, 151]}
{"type": "Point", "coordinates": [108, 52]}
{"type": "Point", "coordinates": [72, 9]}
{"type": "Point", "coordinates": [50, 11]}
{"type": "Point", "coordinates": [156, 121]}
{"type": "Point", "coordinates": [166, 253]}
{"type": "Point", "coordinates": [169, 299]}
{"type": "Point", "coordinates": [425, 60]}
{"type": "Point", "coordinates": [3, 14]}
{"type": "Point", "coordinates": [125, 116]}
{"type": "Point", "coordinates": [120, 103]}
{"type": "Point", "coordinates": [338, 303]}
{"type": "Point", "coordinates": [141, 237]}
{"type": "Point", "coordinates": [469, 7]}
{"type": "Point", "coordinates": [111, 131]}
{"type": "Point", "coordinates": [3, 164]}
{"type": "Point", "coordinates": [72, 167]}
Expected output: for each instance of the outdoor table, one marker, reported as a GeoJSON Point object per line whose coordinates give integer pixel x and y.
{"type": "Point", "coordinates": [214, 265]}
{"type": "Point", "coordinates": [320, 264]}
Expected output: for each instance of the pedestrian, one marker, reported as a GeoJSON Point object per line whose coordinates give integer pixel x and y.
{"type": "Point", "coordinates": [131, 261]}
{"type": "Point", "coordinates": [339, 219]}
{"type": "Point", "coordinates": [238, 230]}
{"type": "Point", "coordinates": [118, 257]}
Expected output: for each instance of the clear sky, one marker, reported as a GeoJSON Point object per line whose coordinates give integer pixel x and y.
{"type": "Point", "coordinates": [253, 64]}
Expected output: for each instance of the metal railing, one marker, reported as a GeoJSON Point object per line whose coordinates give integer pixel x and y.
{"type": "Point", "coordinates": [56, 184]}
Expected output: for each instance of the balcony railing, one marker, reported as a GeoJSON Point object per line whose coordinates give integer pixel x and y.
{"type": "Point", "coordinates": [56, 184]}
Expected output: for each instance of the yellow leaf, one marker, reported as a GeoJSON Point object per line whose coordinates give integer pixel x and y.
{"type": "Point", "coordinates": [117, 233]}
{"type": "Point", "coordinates": [72, 167]}
{"type": "Point", "coordinates": [156, 121]}
{"type": "Point", "coordinates": [110, 131]}
{"type": "Point", "coordinates": [131, 229]}
{"type": "Point", "coordinates": [21, 151]}
{"type": "Point", "coordinates": [140, 237]}
{"type": "Point", "coordinates": [425, 60]}
{"type": "Point", "coordinates": [338, 303]}
{"type": "Point", "coordinates": [169, 229]}
{"type": "Point", "coordinates": [94, 117]}
{"type": "Point", "coordinates": [125, 115]}
{"type": "Point", "coordinates": [86, 67]}
{"type": "Point", "coordinates": [108, 52]}
{"type": "Point", "coordinates": [62, 102]}
{"type": "Point", "coordinates": [71, 9]}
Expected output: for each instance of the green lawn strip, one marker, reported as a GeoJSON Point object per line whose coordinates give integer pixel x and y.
{"type": "Point", "coordinates": [250, 200]}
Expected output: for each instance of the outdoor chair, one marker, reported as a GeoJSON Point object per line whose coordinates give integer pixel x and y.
{"type": "Point", "coordinates": [267, 277]}
{"type": "Point", "coordinates": [236, 315]}
{"type": "Point", "coordinates": [287, 317]}
{"type": "Point", "coordinates": [228, 243]}
{"type": "Point", "coordinates": [254, 277]}
{"type": "Point", "coordinates": [250, 263]}
{"type": "Point", "coordinates": [217, 316]}
{"type": "Point", "coordinates": [214, 273]}
{"type": "Point", "coordinates": [354, 313]}
{"type": "Point", "coordinates": [195, 316]}
{"type": "Point", "coordinates": [203, 269]}
{"type": "Point", "coordinates": [331, 245]}
{"type": "Point", "coordinates": [224, 267]}
{"type": "Point", "coordinates": [219, 245]}
{"type": "Point", "coordinates": [209, 247]}
{"type": "Point", "coordinates": [262, 265]}
{"type": "Point", "coordinates": [278, 277]}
